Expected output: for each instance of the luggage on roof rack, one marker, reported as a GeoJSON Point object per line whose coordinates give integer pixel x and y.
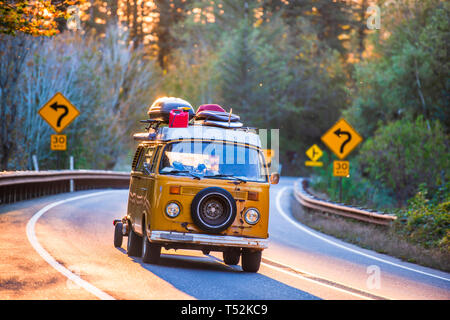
{"type": "Point", "coordinates": [160, 109]}
{"type": "Point", "coordinates": [220, 124]}
{"type": "Point", "coordinates": [216, 116]}
{"type": "Point", "coordinates": [210, 107]}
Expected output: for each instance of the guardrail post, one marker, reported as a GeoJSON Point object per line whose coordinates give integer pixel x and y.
{"type": "Point", "coordinates": [35, 163]}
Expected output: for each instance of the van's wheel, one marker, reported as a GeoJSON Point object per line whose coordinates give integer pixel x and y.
{"type": "Point", "coordinates": [251, 260]}
{"type": "Point", "coordinates": [134, 245]}
{"type": "Point", "coordinates": [118, 236]}
{"type": "Point", "coordinates": [231, 256]}
{"type": "Point", "coordinates": [150, 251]}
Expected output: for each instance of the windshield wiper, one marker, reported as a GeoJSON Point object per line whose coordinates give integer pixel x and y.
{"type": "Point", "coordinates": [226, 176]}
{"type": "Point", "coordinates": [183, 171]}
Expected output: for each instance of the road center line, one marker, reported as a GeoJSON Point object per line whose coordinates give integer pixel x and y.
{"type": "Point", "coordinates": [318, 236]}
{"type": "Point", "coordinates": [294, 272]}
{"type": "Point", "coordinates": [50, 260]}
{"type": "Point", "coordinates": [334, 286]}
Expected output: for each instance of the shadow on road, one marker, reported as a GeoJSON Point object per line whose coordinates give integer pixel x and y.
{"type": "Point", "coordinates": [206, 278]}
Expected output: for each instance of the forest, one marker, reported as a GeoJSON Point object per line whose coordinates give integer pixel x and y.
{"type": "Point", "coordinates": [293, 65]}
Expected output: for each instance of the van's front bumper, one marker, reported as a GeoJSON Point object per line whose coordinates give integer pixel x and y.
{"type": "Point", "coordinates": [196, 239]}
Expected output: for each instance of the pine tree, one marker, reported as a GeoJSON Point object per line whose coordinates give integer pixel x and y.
{"type": "Point", "coordinates": [170, 12]}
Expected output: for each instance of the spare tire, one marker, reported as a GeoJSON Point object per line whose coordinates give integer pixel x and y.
{"type": "Point", "coordinates": [213, 209]}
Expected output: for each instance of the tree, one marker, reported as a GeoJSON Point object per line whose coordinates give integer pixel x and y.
{"type": "Point", "coordinates": [109, 82]}
{"type": "Point", "coordinates": [403, 154]}
{"type": "Point", "coordinates": [408, 75]}
{"type": "Point", "coordinates": [13, 54]}
{"type": "Point", "coordinates": [330, 19]}
{"type": "Point", "coordinates": [169, 14]}
{"type": "Point", "coordinates": [33, 17]}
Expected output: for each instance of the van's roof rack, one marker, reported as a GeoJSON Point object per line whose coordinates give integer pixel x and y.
{"type": "Point", "coordinates": [152, 124]}
{"type": "Point", "coordinates": [244, 134]}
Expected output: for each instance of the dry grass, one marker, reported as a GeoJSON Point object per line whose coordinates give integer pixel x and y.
{"type": "Point", "coordinates": [378, 238]}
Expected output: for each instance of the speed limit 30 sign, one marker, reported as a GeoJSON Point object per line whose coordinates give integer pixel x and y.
{"type": "Point", "coordinates": [341, 168]}
{"type": "Point", "coordinates": [58, 142]}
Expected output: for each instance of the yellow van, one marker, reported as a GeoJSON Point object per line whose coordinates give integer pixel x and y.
{"type": "Point", "coordinates": [202, 188]}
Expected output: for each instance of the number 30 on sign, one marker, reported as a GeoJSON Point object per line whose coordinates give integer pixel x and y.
{"type": "Point", "coordinates": [58, 142]}
{"type": "Point", "coordinates": [341, 168]}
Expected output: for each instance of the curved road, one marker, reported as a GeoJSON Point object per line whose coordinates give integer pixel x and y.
{"type": "Point", "coordinates": [61, 247]}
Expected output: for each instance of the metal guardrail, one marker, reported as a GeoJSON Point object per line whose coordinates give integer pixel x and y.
{"type": "Point", "coordinates": [23, 185]}
{"type": "Point", "coordinates": [306, 199]}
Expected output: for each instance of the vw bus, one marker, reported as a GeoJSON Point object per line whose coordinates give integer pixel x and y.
{"type": "Point", "coordinates": [200, 187]}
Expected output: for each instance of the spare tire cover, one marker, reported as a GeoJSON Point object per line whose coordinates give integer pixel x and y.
{"type": "Point", "coordinates": [213, 209]}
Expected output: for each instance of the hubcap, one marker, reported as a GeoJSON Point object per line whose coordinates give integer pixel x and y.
{"type": "Point", "coordinates": [213, 211]}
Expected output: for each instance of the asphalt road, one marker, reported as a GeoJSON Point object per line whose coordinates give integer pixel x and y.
{"type": "Point", "coordinates": [61, 247]}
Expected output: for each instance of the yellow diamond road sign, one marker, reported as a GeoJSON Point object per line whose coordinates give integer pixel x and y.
{"type": "Point", "coordinates": [341, 139]}
{"type": "Point", "coordinates": [59, 112]}
{"type": "Point", "coordinates": [314, 153]}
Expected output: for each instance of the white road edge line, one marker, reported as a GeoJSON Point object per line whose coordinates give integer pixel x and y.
{"type": "Point", "coordinates": [295, 269]}
{"type": "Point", "coordinates": [314, 234]}
{"type": "Point", "coordinates": [50, 260]}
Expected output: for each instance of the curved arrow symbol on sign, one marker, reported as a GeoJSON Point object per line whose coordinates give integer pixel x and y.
{"type": "Point", "coordinates": [55, 107]}
{"type": "Point", "coordinates": [338, 132]}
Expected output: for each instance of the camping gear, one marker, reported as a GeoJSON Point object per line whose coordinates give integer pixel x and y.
{"type": "Point", "coordinates": [161, 108]}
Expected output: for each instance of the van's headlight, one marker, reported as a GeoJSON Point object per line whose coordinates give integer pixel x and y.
{"type": "Point", "coordinates": [251, 216]}
{"type": "Point", "coordinates": [172, 209]}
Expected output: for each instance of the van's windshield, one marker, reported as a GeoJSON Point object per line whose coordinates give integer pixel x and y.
{"type": "Point", "coordinates": [217, 160]}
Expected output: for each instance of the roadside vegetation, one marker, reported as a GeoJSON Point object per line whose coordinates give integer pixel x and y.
{"type": "Point", "coordinates": [395, 241]}
{"type": "Point", "coordinates": [401, 108]}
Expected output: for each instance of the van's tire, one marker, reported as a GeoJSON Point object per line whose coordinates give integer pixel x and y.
{"type": "Point", "coordinates": [231, 256]}
{"type": "Point", "coordinates": [134, 244]}
{"type": "Point", "coordinates": [150, 251]}
{"type": "Point", "coordinates": [118, 236]}
{"type": "Point", "coordinates": [213, 209]}
{"type": "Point", "coordinates": [251, 260]}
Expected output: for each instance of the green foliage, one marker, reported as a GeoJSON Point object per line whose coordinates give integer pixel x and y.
{"type": "Point", "coordinates": [273, 84]}
{"type": "Point", "coordinates": [328, 18]}
{"type": "Point", "coordinates": [105, 79]}
{"type": "Point", "coordinates": [403, 154]}
{"type": "Point", "coordinates": [170, 13]}
{"type": "Point", "coordinates": [268, 73]}
{"type": "Point", "coordinates": [37, 18]}
{"type": "Point", "coordinates": [356, 189]}
{"type": "Point", "coordinates": [252, 75]}
{"type": "Point", "coordinates": [427, 221]}
{"type": "Point", "coordinates": [409, 73]}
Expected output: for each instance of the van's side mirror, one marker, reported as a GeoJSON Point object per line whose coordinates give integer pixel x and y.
{"type": "Point", "coordinates": [274, 178]}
